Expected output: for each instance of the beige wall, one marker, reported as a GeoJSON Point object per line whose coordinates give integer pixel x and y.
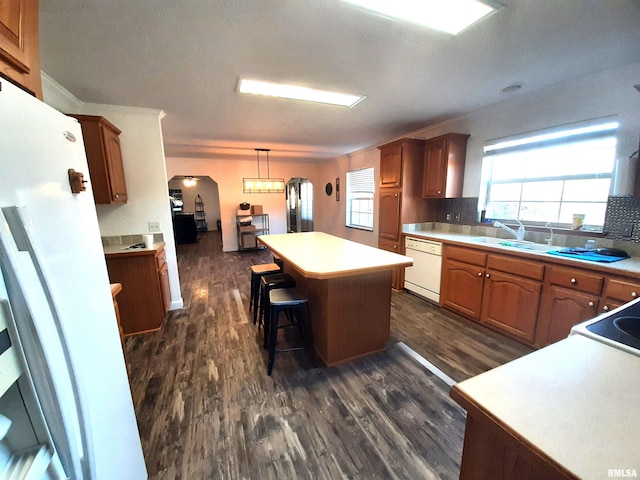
{"type": "Point", "coordinates": [228, 174]}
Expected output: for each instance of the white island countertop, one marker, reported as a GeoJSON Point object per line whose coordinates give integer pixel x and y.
{"type": "Point", "coordinates": [320, 255]}
{"type": "Point", "coordinates": [576, 401]}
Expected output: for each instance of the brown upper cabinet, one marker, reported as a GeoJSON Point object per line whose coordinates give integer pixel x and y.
{"type": "Point", "coordinates": [19, 50]}
{"type": "Point", "coordinates": [391, 165]}
{"type": "Point", "coordinates": [102, 144]}
{"type": "Point", "coordinates": [444, 158]}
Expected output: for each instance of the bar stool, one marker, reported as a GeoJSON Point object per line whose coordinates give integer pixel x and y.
{"type": "Point", "coordinates": [267, 283]}
{"type": "Point", "coordinates": [257, 271]}
{"type": "Point", "coordinates": [278, 261]}
{"type": "Point", "coordinates": [295, 304]}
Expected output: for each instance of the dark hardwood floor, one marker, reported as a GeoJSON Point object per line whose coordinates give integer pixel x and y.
{"type": "Point", "coordinates": [207, 409]}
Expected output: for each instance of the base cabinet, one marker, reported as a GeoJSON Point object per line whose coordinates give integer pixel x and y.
{"type": "Point", "coordinates": [534, 301]}
{"type": "Point", "coordinates": [397, 274]}
{"type": "Point", "coordinates": [145, 297]}
{"type": "Point", "coordinates": [499, 291]}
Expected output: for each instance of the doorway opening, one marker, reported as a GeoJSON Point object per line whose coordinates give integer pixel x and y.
{"type": "Point", "coordinates": [299, 197]}
{"type": "Point", "coordinates": [195, 207]}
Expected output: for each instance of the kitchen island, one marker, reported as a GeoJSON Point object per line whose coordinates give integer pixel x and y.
{"type": "Point", "coordinates": [567, 411]}
{"type": "Point", "coordinates": [349, 290]}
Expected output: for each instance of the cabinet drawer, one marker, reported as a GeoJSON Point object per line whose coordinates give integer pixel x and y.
{"type": "Point", "coordinates": [620, 289]}
{"type": "Point", "coordinates": [576, 280]}
{"type": "Point", "coordinates": [161, 258]}
{"type": "Point", "coordinates": [466, 255]}
{"type": "Point", "coordinates": [516, 266]}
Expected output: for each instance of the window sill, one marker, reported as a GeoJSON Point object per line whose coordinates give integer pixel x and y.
{"type": "Point", "coordinates": [365, 229]}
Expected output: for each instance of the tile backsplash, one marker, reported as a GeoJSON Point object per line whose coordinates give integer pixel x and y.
{"type": "Point", "coordinates": [621, 225]}
{"type": "Point", "coordinates": [129, 239]}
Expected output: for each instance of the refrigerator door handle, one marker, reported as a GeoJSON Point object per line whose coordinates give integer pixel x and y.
{"type": "Point", "coordinates": [37, 320]}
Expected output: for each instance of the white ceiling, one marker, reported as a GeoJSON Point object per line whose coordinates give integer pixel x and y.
{"type": "Point", "coordinates": [186, 57]}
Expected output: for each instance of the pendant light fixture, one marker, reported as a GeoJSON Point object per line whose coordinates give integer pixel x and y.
{"type": "Point", "coordinates": [263, 185]}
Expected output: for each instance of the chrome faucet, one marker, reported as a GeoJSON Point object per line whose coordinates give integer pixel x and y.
{"type": "Point", "coordinates": [550, 239]}
{"type": "Point", "coordinates": [519, 234]}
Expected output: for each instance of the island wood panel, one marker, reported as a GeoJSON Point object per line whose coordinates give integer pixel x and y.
{"type": "Point", "coordinates": [350, 316]}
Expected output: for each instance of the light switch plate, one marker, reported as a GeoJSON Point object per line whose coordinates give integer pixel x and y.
{"type": "Point", "coordinates": [154, 226]}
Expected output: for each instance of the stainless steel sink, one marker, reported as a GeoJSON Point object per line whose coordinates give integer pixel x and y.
{"type": "Point", "coordinates": [619, 328]}
{"type": "Point", "coordinates": [506, 243]}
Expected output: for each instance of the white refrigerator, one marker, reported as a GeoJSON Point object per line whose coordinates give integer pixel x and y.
{"type": "Point", "coordinates": [65, 404]}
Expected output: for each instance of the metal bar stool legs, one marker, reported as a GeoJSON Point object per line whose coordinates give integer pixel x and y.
{"type": "Point", "coordinates": [257, 272]}
{"type": "Point", "coordinates": [268, 283]}
{"type": "Point", "coordinates": [295, 304]}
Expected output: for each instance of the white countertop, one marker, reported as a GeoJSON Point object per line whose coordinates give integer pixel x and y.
{"type": "Point", "coordinates": [111, 250]}
{"type": "Point", "coordinates": [320, 255]}
{"type": "Point", "coordinates": [577, 401]}
{"type": "Point", "coordinates": [628, 266]}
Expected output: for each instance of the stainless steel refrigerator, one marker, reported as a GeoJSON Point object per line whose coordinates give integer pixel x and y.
{"type": "Point", "coordinates": [299, 196]}
{"type": "Point", "coordinates": [65, 405]}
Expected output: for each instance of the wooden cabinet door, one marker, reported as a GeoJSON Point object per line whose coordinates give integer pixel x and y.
{"type": "Point", "coordinates": [115, 168]}
{"type": "Point", "coordinates": [462, 286]}
{"type": "Point", "coordinates": [165, 290]}
{"type": "Point", "coordinates": [397, 274]}
{"type": "Point", "coordinates": [561, 309]}
{"type": "Point", "coordinates": [510, 303]}
{"type": "Point", "coordinates": [19, 50]}
{"type": "Point", "coordinates": [391, 166]}
{"type": "Point", "coordinates": [434, 178]}
{"type": "Point", "coordinates": [390, 205]}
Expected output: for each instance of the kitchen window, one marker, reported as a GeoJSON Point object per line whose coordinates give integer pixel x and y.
{"type": "Point", "coordinates": [359, 204]}
{"type": "Point", "coordinates": [551, 175]}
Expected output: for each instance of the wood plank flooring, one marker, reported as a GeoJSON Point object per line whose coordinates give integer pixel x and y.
{"type": "Point", "coordinates": [207, 409]}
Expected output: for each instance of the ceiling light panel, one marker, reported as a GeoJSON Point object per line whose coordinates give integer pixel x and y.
{"type": "Point", "coordinates": [451, 16]}
{"type": "Point", "coordinates": [296, 92]}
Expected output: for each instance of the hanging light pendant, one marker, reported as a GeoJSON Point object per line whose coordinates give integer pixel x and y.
{"type": "Point", "coordinates": [263, 185]}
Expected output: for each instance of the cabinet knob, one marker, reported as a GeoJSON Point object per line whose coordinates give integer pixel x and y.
{"type": "Point", "coordinates": [590, 304]}
{"type": "Point", "coordinates": [605, 308]}
{"type": "Point", "coordinates": [634, 294]}
{"type": "Point", "coordinates": [487, 275]}
{"type": "Point", "coordinates": [479, 274]}
{"type": "Point", "coordinates": [395, 247]}
{"type": "Point", "coordinates": [395, 194]}
{"type": "Point", "coordinates": [397, 184]}
{"type": "Point", "coordinates": [117, 196]}
{"type": "Point", "coordinates": [439, 192]}
{"type": "Point", "coordinates": [574, 281]}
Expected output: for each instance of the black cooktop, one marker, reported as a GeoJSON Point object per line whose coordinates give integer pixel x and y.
{"type": "Point", "coordinates": [622, 325]}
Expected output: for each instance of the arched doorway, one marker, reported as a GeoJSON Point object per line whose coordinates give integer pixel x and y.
{"type": "Point", "coordinates": [200, 197]}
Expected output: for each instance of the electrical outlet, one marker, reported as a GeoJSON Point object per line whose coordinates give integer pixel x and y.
{"type": "Point", "coordinates": [456, 217]}
{"type": "Point", "coordinates": [154, 226]}
{"type": "Point", "coordinates": [627, 230]}
{"type": "Point", "coordinates": [448, 216]}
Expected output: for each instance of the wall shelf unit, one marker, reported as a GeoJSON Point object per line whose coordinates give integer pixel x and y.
{"type": "Point", "coordinates": [250, 227]}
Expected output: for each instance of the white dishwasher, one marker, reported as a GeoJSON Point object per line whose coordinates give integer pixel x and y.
{"type": "Point", "coordinates": [423, 277]}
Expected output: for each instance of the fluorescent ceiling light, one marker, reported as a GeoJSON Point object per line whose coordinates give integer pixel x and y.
{"type": "Point", "coordinates": [451, 16]}
{"type": "Point", "coordinates": [295, 92]}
